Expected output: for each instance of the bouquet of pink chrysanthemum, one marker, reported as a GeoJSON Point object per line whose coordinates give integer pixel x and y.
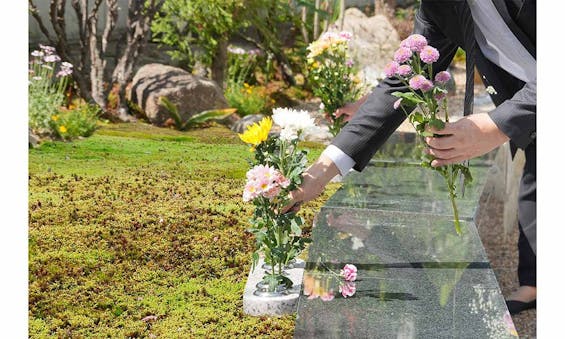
{"type": "Point", "coordinates": [412, 64]}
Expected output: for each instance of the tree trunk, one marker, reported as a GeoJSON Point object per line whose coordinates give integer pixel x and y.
{"type": "Point", "coordinates": [90, 67]}
{"type": "Point", "coordinates": [219, 63]}
{"type": "Point", "coordinates": [316, 20]}
{"type": "Point", "coordinates": [303, 21]}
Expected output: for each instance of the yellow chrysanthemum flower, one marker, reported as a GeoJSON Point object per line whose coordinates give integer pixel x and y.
{"type": "Point", "coordinates": [54, 117]}
{"type": "Point", "coordinates": [63, 129]}
{"type": "Point", "coordinates": [258, 132]}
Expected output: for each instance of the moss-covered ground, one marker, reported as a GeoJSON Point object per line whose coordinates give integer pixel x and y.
{"type": "Point", "coordinates": [139, 232]}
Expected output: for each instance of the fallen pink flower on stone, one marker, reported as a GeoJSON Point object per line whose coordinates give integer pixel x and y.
{"type": "Point", "coordinates": [348, 289]}
{"type": "Point", "coordinates": [349, 272]}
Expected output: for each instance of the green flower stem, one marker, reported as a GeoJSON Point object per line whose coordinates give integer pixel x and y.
{"type": "Point", "coordinates": [451, 187]}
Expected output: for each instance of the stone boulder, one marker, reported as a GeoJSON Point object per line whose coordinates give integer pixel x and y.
{"type": "Point", "coordinates": [241, 125]}
{"type": "Point", "coordinates": [373, 44]}
{"type": "Point", "coordinates": [190, 93]}
{"type": "Point", "coordinates": [33, 139]}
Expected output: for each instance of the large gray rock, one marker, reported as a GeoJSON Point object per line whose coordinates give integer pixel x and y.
{"type": "Point", "coordinates": [190, 93]}
{"type": "Point", "coordinates": [33, 140]}
{"type": "Point", "coordinates": [373, 44]}
{"type": "Point", "coordinates": [242, 124]}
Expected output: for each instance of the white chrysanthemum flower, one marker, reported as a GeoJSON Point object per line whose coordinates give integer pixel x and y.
{"type": "Point", "coordinates": [288, 134]}
{"type": "Point", "coordinates": [293, 121]}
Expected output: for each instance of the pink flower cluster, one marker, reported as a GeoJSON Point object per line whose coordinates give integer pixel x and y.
{"type": "Point", "coordinates": [400, 66]}
{"type": "Point", "coordinates": [349, 272]}
{"type": "Point", "coordinates": [442, 77]}
{"type": "Point", "coordinates": [414, 42]}
{"type": "Point", "coordinates": [429, 55]}
{"type": "Point", "coordinates": [419, 82]}
{"type": "Point", "coordinates": [264, 181]}
{"type": "Point", "coordinates": [48, 54]}
{"type": "Point", "coordinates": [66, 69]}
{"type": "Point", "coordinates": [347, 289]}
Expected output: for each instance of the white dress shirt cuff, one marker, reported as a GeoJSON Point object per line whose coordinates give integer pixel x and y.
{"type": "Point", "coordinates": [342, 161]}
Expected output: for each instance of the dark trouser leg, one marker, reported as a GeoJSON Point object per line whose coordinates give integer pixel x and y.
{"type": "Point", "coordinates": [526, 262]}
{"type": "Point", "coordinates": [527, 220]}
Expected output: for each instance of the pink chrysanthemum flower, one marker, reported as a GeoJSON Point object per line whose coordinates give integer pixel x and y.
{"type": "Point", "coordinates": [419, 82]}
{"type": "Point", "coordinates": [264, 181]}
{"type": "Point", "coordinates": [391, 68]}
{"type": "Point", "coordinates": [347, 289]}
{"type": "Point", "coordinates": [404, 70]}
{"type": "Point", "coordinates": [429, 55]}
{"type": "Point", "coordinates": [402, 54]}
{"type": "Point", "coordinates": [349, 272]}
{"type": "Point", "coordinates": [415, 42]}
{"type": "Point", "coordinates": [442, 77]}
{"type": "Point", "coordinates": [397, 103]}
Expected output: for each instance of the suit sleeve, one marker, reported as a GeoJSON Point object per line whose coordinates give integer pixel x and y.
{"type": "Point", "coordinates": [516, 117]}
{"type": "Point", "coordinates": [377, 119]}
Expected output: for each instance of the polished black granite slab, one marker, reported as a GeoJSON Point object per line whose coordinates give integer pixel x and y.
{"type": "Point", "coordinates": [388, 237]}
{"type": "Point", "coordinates": [414, 280]}
{"type": "Point", "coordinates": [416, 277]}
{"type": "Point", "coordinates": [406, 187]}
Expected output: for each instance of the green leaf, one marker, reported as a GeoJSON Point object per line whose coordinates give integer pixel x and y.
{"type": "Point", "coordinates": [255, 257]}
{"type": "Point", "coordinates": [427, 134]}
{"type": "Point", "coordinates": [215, 114]}
{"type": "Point", "coordinates": [410, 97]}
{"type": "Point", "coordinates": [295, 228]}
{"type": "Point", "coordinates": [437, 124]}
{"type": "Point", "coordinates": [417, 116]}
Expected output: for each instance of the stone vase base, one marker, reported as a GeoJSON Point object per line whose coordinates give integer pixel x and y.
{"type": "Point", "coordinates": [278, 304]}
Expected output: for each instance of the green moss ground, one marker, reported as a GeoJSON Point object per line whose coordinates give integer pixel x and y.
{"type": "Point", "coordinates": [139, 232]}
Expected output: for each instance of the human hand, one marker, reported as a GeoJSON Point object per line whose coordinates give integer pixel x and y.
{"type": "Point", "coordinates": [466, 138]}
{"type": "Point", "coordinates": [314, 180]}
{"type": "Point", "coordinates": [350, 109]}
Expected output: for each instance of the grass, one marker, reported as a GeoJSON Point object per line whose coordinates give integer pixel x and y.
{"type": "Point", "coordinates": [139, 232]}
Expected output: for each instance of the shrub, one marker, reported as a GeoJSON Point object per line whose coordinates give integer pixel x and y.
{"type": "Point", "coordinates": [331, 73]}
{"type": "Point", "coordinates": [241, 65]}
{"type": "Point", "coordinates": [76, 121]}
{"type": "Point", "coordinates": [247, 99]}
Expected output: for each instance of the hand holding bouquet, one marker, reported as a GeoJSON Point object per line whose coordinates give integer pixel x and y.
{"type": "Point", "coordinates": [412, 64]}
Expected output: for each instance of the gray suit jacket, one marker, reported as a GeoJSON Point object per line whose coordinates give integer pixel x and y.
{"type": "Point", "coordinates": [441, 23]}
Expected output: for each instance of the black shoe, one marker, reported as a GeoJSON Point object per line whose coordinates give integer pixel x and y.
{"type": "Point", "coordinates": [515, 306]}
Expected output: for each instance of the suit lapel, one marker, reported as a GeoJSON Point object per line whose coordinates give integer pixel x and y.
{"type": "Point", "coordinates": [523, 38]}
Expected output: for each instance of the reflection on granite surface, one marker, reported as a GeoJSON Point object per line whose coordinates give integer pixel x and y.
{"type": "Point", "coordinates": [406, 188]}
{"type": "Point", "coordinates": [416, 277]}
